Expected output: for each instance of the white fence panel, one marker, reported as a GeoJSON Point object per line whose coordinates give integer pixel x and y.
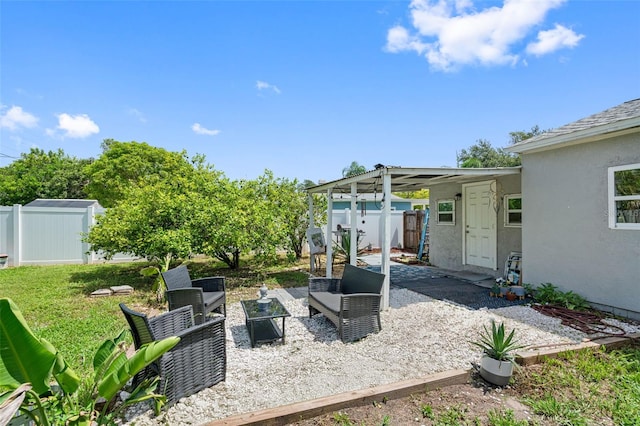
{"type": "Point", "coordinates": [51, 235]}
{"type": "Point", "coordinates": [47, 235]}
{"type": "Point", "coordinates": [371, 223]}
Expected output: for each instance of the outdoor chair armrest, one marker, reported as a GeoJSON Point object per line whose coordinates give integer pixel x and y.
{"type": "Point", "coordinates": [171, 323]}
{"type": "Point", "coordinates": [204, 330]}
{"type": "Point", "coordinates": [210, 283]}
{"type": "Point", "coordinates": [324, 284]}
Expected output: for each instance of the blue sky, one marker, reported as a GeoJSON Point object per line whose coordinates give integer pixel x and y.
{"type": "Point", "coordinates": [303, 88]}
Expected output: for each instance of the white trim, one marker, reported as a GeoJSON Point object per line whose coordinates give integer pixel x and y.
{"type": "Point", "coordinates": [612, 198]}
{"type": "Point", "coordinates": [591, 134]}
{"type": "Point", "coordinates": [505, 202]}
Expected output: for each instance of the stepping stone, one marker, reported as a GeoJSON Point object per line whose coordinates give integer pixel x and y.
{"type": "Point", "coordinates": [122, 289]}
{"type": "Point", "coordinates": [103, 292]}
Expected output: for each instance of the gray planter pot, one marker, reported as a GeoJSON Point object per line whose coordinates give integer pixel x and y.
{"type": "Point", "coordinates": [518, 290]}
{"type": "Point", "coordinates": [496, 372]}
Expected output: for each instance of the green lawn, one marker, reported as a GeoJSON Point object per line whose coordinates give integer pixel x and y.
{"type": "Point", "coordinates": [56, 302]}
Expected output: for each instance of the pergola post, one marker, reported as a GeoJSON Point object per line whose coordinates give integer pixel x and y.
{"type": "Point", "coordinates": [312, 256]}
{"type": "Point", "coordinates": [329, 238]}
{"type": "Point", "coordinates": [386, 239]}
{"type": "Point", "coordinates": [353, 234]}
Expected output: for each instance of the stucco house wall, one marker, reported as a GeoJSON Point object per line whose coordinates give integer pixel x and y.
{"type": "Point", "coordinates": [566, 237]}
{"type": "Point", "coordinates": [446, 251]}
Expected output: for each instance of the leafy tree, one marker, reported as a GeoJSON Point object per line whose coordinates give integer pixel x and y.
{"type": "Point", "coordinates": [152, 221]}
{"type": "Point", "coordinates": [307, 184]}
{"type": "Point", "coordinates": [123, 165]}
{"type": "Point", "coordinates": [293, 214]}
{"type": "Point", "coordinates": [516, 137]}
{"type": "Point", "coordinates": [40, 174]}
{"type": "Point", "coordinates": [482, 154]}
{"type": "Point", "coordinates": [353, 169]}
{"type": "Point", "coordinates": [422, 194]}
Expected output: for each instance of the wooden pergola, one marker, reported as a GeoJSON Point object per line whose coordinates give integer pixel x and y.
{"type": "Point", "coordinates": [385, 180]}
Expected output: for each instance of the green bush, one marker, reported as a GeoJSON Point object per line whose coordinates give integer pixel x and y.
{"type": "Point", "coordinates": [548, 293]}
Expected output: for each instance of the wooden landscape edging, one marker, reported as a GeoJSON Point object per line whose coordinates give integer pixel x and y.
{"type": "Point", "coordinates": [285, 414]}
{"type": "Point", "coordinates": [308, 409]}
{"type": "Point", "coordinates": [536, 356]}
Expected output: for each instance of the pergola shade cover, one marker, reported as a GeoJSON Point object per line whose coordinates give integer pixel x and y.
{"type": "Point", "coordinates": [385, 180]}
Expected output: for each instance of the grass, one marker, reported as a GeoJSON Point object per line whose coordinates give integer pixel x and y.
{"type": "Point", "coordinates": [56, 302]}
{"type": "Point", "coordinates": [585, 387]}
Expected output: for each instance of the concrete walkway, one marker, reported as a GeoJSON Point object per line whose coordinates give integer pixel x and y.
{"type": "Point", "coordinates": [460, 287]}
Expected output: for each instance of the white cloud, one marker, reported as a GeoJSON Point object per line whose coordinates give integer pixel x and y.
{"type": "Point", "coordinates": [399, 39]}
{"type": "Point", "coordinates": [263, 85]}
{"type": "Point", "coordinates": [137, 114]}
{"type": "Point", "coordinates": [197, 128]}
{"type": "Point", "coordinates": [75, 126]}
{"type": "Point", "coordinates": [16, 117]}
{"type": "Point", "coordinates": [453, 33]}
{"type": "Point", "coordinates": [555, 39]}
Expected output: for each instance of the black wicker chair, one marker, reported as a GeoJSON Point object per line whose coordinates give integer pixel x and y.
{"type": "Point", "coordinates": [193, 297]}
{"type": "Point", "coordinates": [197, 362]}
{"type": "Point", "coordinates": [352, 302]}
{"type": "Point", "coordinates": [212, 291]}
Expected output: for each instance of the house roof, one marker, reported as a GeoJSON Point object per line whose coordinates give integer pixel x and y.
{"type": "Point", "coordinates": [46, 202]}
{"type": "Point", "coordinates": [410, 178]}
{"type": "Point", "coordinates": [619, 120]}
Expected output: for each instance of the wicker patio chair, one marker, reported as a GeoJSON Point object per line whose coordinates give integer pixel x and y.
{"type": "Point", "coordinates": [193, 297]}
{"type": "Point", "coordinates": [197, 362]}
{"type": "Point", "coordinates": [212, 288]}
{"type": "Point", "coordinates": [351, 303]}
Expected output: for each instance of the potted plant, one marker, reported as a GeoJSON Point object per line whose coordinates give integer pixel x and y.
{"type": "Point", "coordinates": [495, 290]}
{"type": "Point", "coordinates": [496, 365]}
{"type": "Point", "coordinates": [519, 291]}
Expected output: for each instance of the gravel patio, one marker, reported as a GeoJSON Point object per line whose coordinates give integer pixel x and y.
{"type": "Point", "coordinates": [420, 335]}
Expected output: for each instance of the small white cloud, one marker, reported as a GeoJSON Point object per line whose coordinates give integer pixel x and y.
{"type": "Point", "coordinates": [16, 117]}
{"type": "Point", "coordinates": [454, 33]}
{"type": "Point", "coordinates": [555, 39]}
{"type": "Point", "coordinates": [75, 126]}
{"type": "Point", "coordinates": [263, 85]}
{"type": "Point", "coordinates": [137, 114]}
{"type": "Point", "coordinates": [399, 39]}
{"type": "Point", "coordinates": [197, 128]}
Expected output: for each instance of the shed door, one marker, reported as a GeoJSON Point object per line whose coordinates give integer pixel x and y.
{"type": "Point", "coordinates": [480, 220]}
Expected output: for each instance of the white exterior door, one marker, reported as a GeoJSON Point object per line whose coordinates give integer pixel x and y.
{"type": "Point", "coordinates": [480, 225]}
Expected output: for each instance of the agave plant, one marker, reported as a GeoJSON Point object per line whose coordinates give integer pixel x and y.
{"type": "Point", "coordinates": [496, 344]}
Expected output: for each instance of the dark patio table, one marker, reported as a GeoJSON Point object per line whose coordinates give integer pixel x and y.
{"type": "Point", "coordinates": [260, 320]}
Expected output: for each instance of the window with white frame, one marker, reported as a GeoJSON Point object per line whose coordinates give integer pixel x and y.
{"type": "Point", "coordinates": [513, 210]}
{"type": "Point", "coordinates": [446, 212]}
{"type": "Point", "coordinates": [624, 197]}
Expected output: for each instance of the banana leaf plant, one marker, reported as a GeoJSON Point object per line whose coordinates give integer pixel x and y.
{"type": "Point", "coordinates": [25, 358]}
{"type": "Point", "coordinates": [159, 285]}
{"type": "Point", "coordinates": [10, 403]}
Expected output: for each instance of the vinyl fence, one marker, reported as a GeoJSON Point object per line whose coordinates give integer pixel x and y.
{"type": "Point", "coordinates": [48, 235]}
{"type": "Point", "coordinates": [371, 224]}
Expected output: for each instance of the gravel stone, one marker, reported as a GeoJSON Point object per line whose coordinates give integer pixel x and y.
{"type": "Point", "coordinates": [420, 336]}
